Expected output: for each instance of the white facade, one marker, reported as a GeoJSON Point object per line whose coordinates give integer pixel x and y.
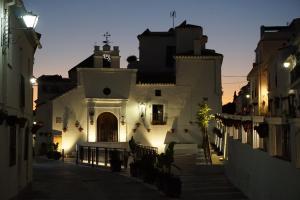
{"type": "Point", "coordinates": [18, 46]}
{"type": "Point", "coordinates": [263, 152]}
{"type": "Point", "coordinates": [153, 112]}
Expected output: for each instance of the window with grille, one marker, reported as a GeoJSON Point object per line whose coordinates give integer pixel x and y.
{"type": "Point", "coordinates": [158, 114]}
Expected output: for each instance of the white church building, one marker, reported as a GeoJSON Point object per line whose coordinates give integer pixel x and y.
{"type": "Point", "coordinates": [155, 99]}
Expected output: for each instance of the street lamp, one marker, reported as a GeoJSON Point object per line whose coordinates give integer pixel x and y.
{"type": "Point", "coordinates": [30, 20]}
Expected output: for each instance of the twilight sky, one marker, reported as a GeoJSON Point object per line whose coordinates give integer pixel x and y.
{"type": "Point", "coordinates": [70, 29]}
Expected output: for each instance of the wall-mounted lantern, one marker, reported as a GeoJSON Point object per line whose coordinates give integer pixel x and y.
{"type": "Point", "coordinates": [289, 62]}
{"type": "Point", "coordinates": [91, 115]}
{"type": "Point", "coordinates": [122, 120]}
{"type": "Point", "coordinates": [30, 20]}
{"type": "Point", "coordinates": [142, 108]}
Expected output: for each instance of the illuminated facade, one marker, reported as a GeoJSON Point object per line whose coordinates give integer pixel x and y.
{"type": "Point", "coordinates": [155, 100]}
{"type": "Point", "coordinates": [271, 40]}
{"type": "Point", "coordinates": [18, 45]}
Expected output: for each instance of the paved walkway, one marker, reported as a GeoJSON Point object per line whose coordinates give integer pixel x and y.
{"type": "Point", "coordinates": [56, 180]}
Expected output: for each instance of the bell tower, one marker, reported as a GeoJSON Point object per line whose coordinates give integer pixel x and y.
{"type": "Point", "coordinates": [106, 57]}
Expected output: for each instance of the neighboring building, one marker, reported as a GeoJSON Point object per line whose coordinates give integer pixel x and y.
{"type": "Point", "coordinates": [242, 101]}
{"type": "Point", "coordinates": [49, 87]}
{"type": "Point", "coordinates": [155, 103]}
{"type": "Point", "coordinates": [263, 148]}
{"type": "Point", "coordinates": [271, 40]}
{"type": "Point", "coordinates": [18, 45]}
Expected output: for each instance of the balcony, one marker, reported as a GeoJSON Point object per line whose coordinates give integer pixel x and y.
{"type": "Point", "coordinates": [295, 75]}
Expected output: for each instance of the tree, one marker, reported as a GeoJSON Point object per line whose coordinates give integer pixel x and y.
{"type": "Point", "coordinates": [203, 119]}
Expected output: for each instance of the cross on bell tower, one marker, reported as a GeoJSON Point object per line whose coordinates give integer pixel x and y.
{"type": "Point", "coordinates": [106, 41]}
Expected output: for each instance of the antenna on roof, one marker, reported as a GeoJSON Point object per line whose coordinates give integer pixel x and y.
{"type": "Point", "coordinates": [173, 15]}
{"type": "Point", "coordinates": [106, 35]}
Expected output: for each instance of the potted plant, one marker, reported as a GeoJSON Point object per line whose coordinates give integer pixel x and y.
{"type": "Point", "coordinates": [148, 170]}
{"type": "Point", "coordinates": [203, 119]}
{"type": "Point", "coordinates": [166, 181]}
{"type": "Point", "coordinates": [53, 151]}
{"type": "Point", "coordinates": [115, 161]}
{"type": "Point", "coordinates": [80, 128]}
{"type": "Point", "coordinates": [135, 165]}
{"type": "Point", "coordinates": [135, 168]}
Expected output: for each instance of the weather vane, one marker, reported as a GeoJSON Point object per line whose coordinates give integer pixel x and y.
{"type": "Point", "coordinates": [106, 35]}
{"type": "Point", "coordinates": [173, 15]}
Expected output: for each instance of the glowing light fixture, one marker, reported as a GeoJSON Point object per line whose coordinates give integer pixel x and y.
{"type": "Point", "coordinates": [30, 20]}
{"type": "Point", "coordinates": [33, 80]}
{"type": "Point", "coordinates": [286, 64]}
{"type": "Point", "coordinates": [247, 96]}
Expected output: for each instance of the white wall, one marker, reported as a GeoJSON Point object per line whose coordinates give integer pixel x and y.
{"type": "Point", "coordinates": [260, 176]}
{"type": "Point", "coordinates": [19, 56]}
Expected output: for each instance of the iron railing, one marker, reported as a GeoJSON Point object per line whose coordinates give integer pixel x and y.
{"type": "Point", "coordinates": [99, 156]}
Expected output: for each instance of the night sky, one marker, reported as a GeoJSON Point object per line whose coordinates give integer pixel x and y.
{"type": "Point", "coordinates": [70, 29]}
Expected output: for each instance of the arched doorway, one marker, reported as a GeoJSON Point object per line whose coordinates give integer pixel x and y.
{"type": "Point", "coordinates": [107, 128]}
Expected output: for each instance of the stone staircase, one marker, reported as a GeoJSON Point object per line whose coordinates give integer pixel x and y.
{"type": "Point", "coordinates": [200, 157]}
{"type": "Point", "coordinates": [202, 181]}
